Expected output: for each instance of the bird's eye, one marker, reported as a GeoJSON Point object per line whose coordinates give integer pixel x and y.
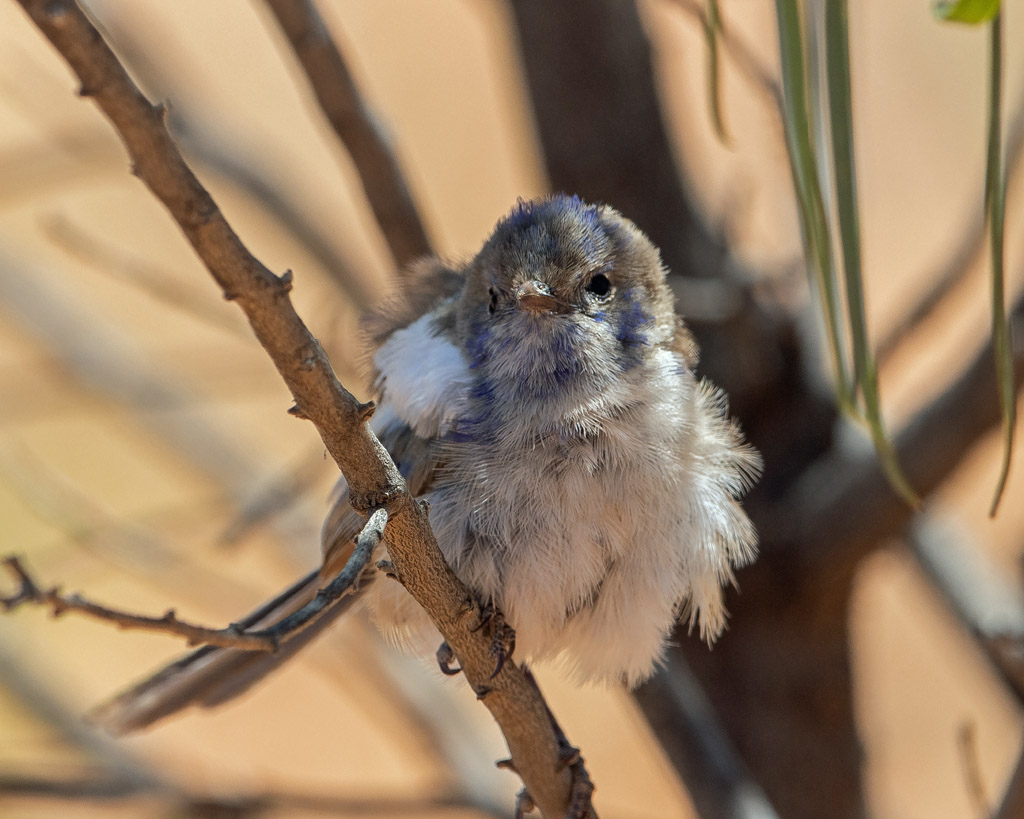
{"type": "Point", "coordinates": [599, 285]}
{"type": "Point", "coordinates": [494, 300]}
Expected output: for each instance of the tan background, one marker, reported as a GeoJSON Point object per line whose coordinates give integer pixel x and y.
{"type": "Point", "coordinates": [97, 497]}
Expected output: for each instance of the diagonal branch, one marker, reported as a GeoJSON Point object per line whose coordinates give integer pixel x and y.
{"type": "Point", "coordinates": [843, 505]}
{"type": "Point", "coordinates": [1013, 799]}
{"type": "Point", "coordinates": [85, 787]}
{"type": "Point", "coordinates": [985, 603]}
{"type": "Point", "coordinates": [340, 419]}
{"type": "Point", "coordinates": [699, 747]}
{"type": "Point", "coordinates": [374, 159]}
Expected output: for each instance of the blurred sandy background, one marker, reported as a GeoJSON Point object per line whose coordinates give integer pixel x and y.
{"type": "Point", "coordinates": [123, 485]}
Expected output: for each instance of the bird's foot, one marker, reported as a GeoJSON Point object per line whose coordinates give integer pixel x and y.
{"type": "Point", "coordinates": [445, 655]}
{"type": "Point", "coordinates": [503, 642]}
{"type": "Point", "coordinates": [503, 636]}
{"type": "Point", "coordinates": [580, 805]}
{"type": "Point", "coordinates": [524, 804]}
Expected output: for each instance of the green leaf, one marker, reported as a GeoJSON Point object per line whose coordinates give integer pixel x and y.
{"type": "Point", "coordinates": [837, 54]}
{"type": "Point", "coordinates": [712, 29]}
{"type": "Point", "coordinates": [995, 203]}
{"type": "Point", "coordinates": [813, 217]}
{"type": "Point", "coordinates": [966, 11]}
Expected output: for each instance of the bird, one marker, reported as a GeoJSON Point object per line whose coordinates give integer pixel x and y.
{"type": "Point", "coordinates": [582, 481]}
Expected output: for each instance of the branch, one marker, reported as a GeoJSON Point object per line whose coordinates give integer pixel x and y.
{"type": "Point", "coordinates": [589, 63]}
{"type": "Point", "coordinates": [1013, 799]}
{"type": "Point", "coordinates": [102, 787]}
{"type": "Point", "coordinates": [235, 635]}
{"type": "Point", "coordinates": [340, 419]}
{"type": "Point", "coordinates": [367, 144]}
{"type": "Point", "coordinates": [30, 592]}
{"type": "Point", "coordinates": [744, 59]}
{"type": "Point", "coordinates": [843, 505]}
{"type": "Point", "coordinates": [229, 156]}
{"type": "Point", "coordinates": [699, 747]}
{"type": "Point", "coordinates": [990, 608]}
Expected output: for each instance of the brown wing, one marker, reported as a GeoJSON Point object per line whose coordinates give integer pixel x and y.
{"type": "Point", "coordinates": [417, 460]}
{"type": "Point", "coordinates": [427, 282]}
{"type": "Point", "coordinates": [212, 675]}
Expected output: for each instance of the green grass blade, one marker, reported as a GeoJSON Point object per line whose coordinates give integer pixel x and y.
{"type": "Point", "coordinates": [966, 11]}
{"type": "Point", "coordinates": [808, 188]}
{"type": "Point", "coordinates": [995, 201]}
{"type": "Point", "coordinates": [841, 120]}
{"type": "Point", "coordinates": [712, 29]}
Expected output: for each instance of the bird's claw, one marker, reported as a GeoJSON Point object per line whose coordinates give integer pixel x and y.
{"type": "Point", "coordinates": [503, 642]}
{"type": "Point", "coordinates": [503, 636]}
{"type": "Point", "coordinates": [568, 755]}
{"type": "Point", "coordinates": [524, 804]}
{"type": "Point", "coordinates": [445, 655]}
{"type": "Point", "coordinates": [485, 613]}
{"type": "Point", "coordinates": [580, 795]}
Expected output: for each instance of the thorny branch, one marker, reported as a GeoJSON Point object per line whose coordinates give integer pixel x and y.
{"type": "Point", "coordinates": [234, 635]}
{"type": "Point", "coordinates": [338, 416]}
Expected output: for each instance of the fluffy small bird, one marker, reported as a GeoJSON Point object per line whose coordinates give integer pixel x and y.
{"type": "Point", "coordinates": [581, 479]}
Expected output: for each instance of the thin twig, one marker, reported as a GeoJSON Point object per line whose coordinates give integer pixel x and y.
{"type": "Point", "coordinates": [967, 745]}
{"type": "Point", "coordinates": [374, 159]}
{"type": "Point", "coordinates": [169, 623]}
{"type": "Point", "coordinates": [234, 635]}
{"type": "Point", "coordinates": [339, 417]}
{"type": "Point", "coordinates": [368, 539]}
{"type": "Point", "coordinates": [743, 58]}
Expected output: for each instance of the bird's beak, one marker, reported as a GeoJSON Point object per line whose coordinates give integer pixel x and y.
{"type": "Point", "coordinates": [535, 297]}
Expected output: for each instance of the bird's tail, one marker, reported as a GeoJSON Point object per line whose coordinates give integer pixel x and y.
{"type": "Point", "coordinates": [211, 675]}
